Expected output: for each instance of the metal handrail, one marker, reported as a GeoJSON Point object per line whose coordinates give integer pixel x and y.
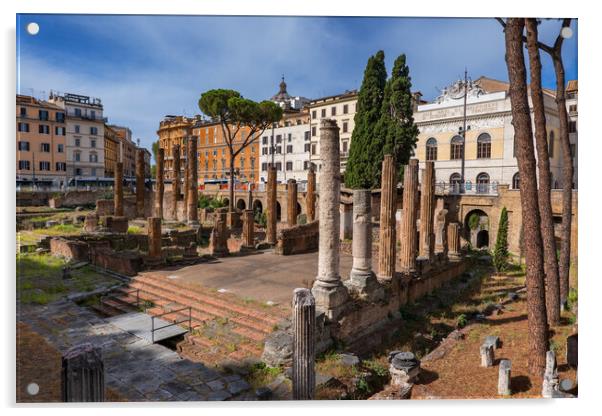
{"type": "Point", "coordinates": [153, 329]}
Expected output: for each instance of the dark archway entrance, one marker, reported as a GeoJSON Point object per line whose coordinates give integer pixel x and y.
{"type": "Point", "coordinates": [241, 204]}
{"type": "Point", "coordinates": [257, 206]}
{"type": "Point", "coordinates": [278, 211]}
{"type": "Point", "coordinates": [483, 239]}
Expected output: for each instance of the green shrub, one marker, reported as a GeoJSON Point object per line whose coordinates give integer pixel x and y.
{"type": "Point", "coordinates": [500, 252]}
{"type": "Point", "coordinates": [261, 219]}
{"type": "Point", "coordinates": [473, 221]}
{"type": "Point", "coordinates": [461, 321]}
{"type": "Point", "coordinates": [132, 229]}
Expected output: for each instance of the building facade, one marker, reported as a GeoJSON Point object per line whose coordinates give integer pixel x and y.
{"type": "Point", "coordinates": [341, 108]}
{"type": "Point", "coordinates": [174, 130]}
{"type": "Point", "coordinates": [572, 98]}
{"type": "Point", "coordinates": [489, 147]}
{"type": "Point", "coordinates": [287, 146]}
{"type": "Point", "coordinates": [85, 134]}
{"type": "Point", "coordinates": [41, 142]}
{"type": "Point", "coordinates": [214, 156]}
{"type": "Point", "coordinates": [112, 148]}
{"type": "Point", "coordinates": [127, 150]}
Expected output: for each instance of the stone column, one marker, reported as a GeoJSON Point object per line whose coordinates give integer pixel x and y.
{"type": "Point", "coordinates": [118, 197]}
{"type": "Point", "coordinates": [407, 236]}
{"type": "Point", "coordinates": [160, 185]}
{"type": "Point", "coordinates": [441, 244]}
{"type": "Point", "coordinates": [453, 238]}
{"type": "Point", "coordinates": [193, 193]}
{"type": "Point", "coordinates": [139, 183]}
{"type": "Point", "coordinates": [175, 185]}
{"type": "Point", "coordinates": [362, 278]}
{"type": "Point", "coordinates": [218, 240]}
{"type": "Point", "coordinates": [388, 196]}
{"type": "Point", "coordinates": [82, 375]}
{"type": "Point", "coordinates": [503, 383]}
{"type": "Point", "coordinates": [329, 292]}
{"type": "Point", "coordinates": [154, 238]}
{"type": "Point", "coordinates": [248, 229]}
{"type": "Point", "coordinates": [310, 197]}
{"type": "Point", "coordinates": [304, 344]}
{"type": "Point", "coordinates": [427, 211]}
{"type": "Point", "coordinates": [487, 355]}
{"type": "Point", "coordinates": [186, 182]}
{"type": "Point", "coordinates": [271, 206]}
{"type": "Point", "coordinates": [291, 203]}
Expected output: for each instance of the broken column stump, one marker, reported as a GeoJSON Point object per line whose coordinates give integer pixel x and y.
{"type": "Point", "coordinates": [571, 351]}
{"type": "Point", "coordinates": [248, 229]}
{"type": "Point", "coordinates": [304, 345]}
{"type": "Point", "coordinates": [550, 376]}
{"type": "Point", "coordinates": [82, 376]}
{"type": "Point", "coordinates": [487, 355]}
{"type": "Point", "coordinates": [404, 370]}
{"type": "Point", "coordinates": [503, 383]}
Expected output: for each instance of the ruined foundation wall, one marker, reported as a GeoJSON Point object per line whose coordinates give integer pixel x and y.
{"type": "Point", "coordinates": [298, 239]}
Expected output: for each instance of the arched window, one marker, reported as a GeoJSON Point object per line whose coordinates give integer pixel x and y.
{"type": "Point", "coordinates": [516, 181]}
{"type": "Point", "coordinates": [457, 147]}
{"type": "Point", "coordinates": [484, 146]}
{"type": "Point", "coordinates": [551, 144]}
{"type": "Point", "coordinates": [455, 182]}
{"type": "Point", "coordinates": [431, 149]}
{"type": "Point", "coordinates": [483, 183]}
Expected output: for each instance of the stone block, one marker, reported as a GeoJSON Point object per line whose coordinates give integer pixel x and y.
{"type": "Point", "coordinates": [503, 385]}
{"type": "Point", "coordinates": [487, 355]}
{"type": "Point", "coordinates": [571, 351]}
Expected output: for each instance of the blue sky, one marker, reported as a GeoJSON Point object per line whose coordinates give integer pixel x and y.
{"type": "Point", "coordinates": [144, 67]}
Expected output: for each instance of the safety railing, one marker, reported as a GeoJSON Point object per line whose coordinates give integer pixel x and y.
{"type": "Point", "coordinates": [153, 329]}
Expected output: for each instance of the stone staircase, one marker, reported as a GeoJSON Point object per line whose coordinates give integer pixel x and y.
{"type": "Point", "coordinates": [225, 328]}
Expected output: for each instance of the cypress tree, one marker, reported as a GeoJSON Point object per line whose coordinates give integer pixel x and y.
{"type": "Point", "coordinates": [396, 124]}
{"type": "Point", "coordinates": [360, 172]}
{"type": "Point", "coordinates": [500, 253]}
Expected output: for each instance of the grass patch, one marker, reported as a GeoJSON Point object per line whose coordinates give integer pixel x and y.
{"type": "Point", "coordinates": [40, 279]}
{"type": "Point", "coordinates": [60, 229]}
{"type": "Point", "coordinates": [260, 374]}
{"type": "Point", "coordinates": [132, 229]}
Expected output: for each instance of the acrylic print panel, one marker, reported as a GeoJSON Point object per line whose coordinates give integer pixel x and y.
{"type": "Point", "coordinates": [216, 208]}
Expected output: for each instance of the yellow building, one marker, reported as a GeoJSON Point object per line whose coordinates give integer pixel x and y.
{"type": "Point", "coordinates": [41, 142]}
{"type": "Point", "coordinates": [174, 130]}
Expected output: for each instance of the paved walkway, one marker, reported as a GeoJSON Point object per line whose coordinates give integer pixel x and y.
{"type": "Point", "coordinates": [262, 276]}
{"type": "Point", "coordinates": [135, 368]}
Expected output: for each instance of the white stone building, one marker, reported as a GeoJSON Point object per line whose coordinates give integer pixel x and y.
{"type": "Point", "coordinates": [287, 146]}
{"type": "Point", "coordinates": [572, 96]}
{"type": "Point", "coordinates": [341, 108]}
{"type": "Point", "coordinates": [85, 134]}
{"type": "Point", "coordinates": [489, 156]}
{"type": "Point", "coordinates": [286, 101]}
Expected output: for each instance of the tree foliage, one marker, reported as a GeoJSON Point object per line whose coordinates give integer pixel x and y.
{"type": "Point", "coordinates": [396, 125]}
{"type": "Point", "coordinates": [384, 122]}
{"type": "Point", "coordinates": [236, 115]}
{"type": "Point", "coordinates": [360, 165]}
{"type": "Point", "coordinates": [500, 252]}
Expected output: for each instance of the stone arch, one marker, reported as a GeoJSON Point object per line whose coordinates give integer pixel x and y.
{"type": "Point", "coordinates": [241, 204]}
{"type": "Point", "coordinates": [474, 226]}
{"type": "Point", "coordinates": [257, 206]}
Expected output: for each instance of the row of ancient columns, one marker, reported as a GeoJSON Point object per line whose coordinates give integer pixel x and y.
{"type": "Point", "coordinates": [191, 189]}
{"type": "Point", "coordinates": [329, 292]}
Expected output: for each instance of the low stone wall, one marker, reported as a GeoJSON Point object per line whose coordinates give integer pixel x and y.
{"type": "Point", "coordinates": [364, 325]}
{"type": "Point", "coordinates": [75, 198]}
{"type": "Point", "coordinates": [126, 263]}
{"type": "Point", "coordinates": [107, 206]}
{"type": "Point", "coordinates": [365, 318]}
{"type": "Point", "coordinates": [298, 239]}
{"type": "Point", "coordinates": [69, 249]}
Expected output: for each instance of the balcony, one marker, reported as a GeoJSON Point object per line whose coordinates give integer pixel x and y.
{"type": "Point", "coordinates": [469, 188]}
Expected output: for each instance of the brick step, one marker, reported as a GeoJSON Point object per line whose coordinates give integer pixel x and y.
{"type": "Point", "coordinates": [117, 305]}
{"type": "Point", "coordinates": [229, 304]}
{"type": "Point", "coordinates": [246, 333]}
{"type": "Point", "coordinates": [159, 292]}
{"type": "Point", "coordinates": [106, 310]}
